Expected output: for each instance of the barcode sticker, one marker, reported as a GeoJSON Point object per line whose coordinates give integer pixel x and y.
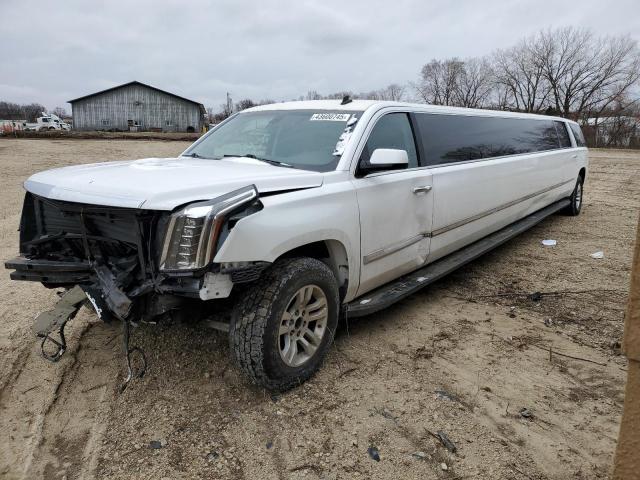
{"type": "Point", "coordinates": [331, 117]}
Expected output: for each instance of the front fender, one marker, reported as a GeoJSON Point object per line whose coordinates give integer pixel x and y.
{"type": "Point", "coordinates": [294, 219]}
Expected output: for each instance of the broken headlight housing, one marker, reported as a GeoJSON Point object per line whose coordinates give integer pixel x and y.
{"type": "Point", "coordinates": [192, 233]}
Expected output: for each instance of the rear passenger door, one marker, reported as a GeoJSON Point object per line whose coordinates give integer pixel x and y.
{"type": "Point", "coordinates": [395, 205]}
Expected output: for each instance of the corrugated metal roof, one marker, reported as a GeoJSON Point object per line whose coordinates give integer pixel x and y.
{"type": "Point", "coordinates": [135, 82]}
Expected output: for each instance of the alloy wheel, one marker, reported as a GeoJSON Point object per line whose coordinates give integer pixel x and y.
{"type": "Point", "coordinates": [303, 325]}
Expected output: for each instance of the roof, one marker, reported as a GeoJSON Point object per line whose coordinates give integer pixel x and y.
{"type": "Point", "coordinates": [135, 82]}
{"type": "Point", "coordinates": [355, 105]}
{"type": "Point", "coordinates": [362, 105]}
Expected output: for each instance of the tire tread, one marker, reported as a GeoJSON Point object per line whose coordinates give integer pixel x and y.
{"type": "Point", "coordinates": [251, 316]}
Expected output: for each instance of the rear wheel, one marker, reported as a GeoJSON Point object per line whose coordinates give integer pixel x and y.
{"type": "Point", "coordinates": [283, 326]}
{"type": "Point", "coordinates": [576, 198]}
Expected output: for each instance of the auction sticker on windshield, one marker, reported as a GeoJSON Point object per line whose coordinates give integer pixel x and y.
{"type": "Point", "coordinates": [332, 117]}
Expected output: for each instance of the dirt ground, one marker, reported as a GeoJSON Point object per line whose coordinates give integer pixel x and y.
{"type": "Point", "coordinates": [474, 357]}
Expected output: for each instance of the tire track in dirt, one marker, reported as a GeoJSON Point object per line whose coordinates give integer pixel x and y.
{"type": "Point", "coordinates": [15, 369]}
{"type": "Point", "coordinates": [55, 415]}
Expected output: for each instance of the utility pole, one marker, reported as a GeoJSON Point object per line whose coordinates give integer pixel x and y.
{"type": "Point", "coordinates": [627, 460]}
{"type": "Point", "coordinates": [229, 106]}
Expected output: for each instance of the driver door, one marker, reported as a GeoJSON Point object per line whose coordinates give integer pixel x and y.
{"type": "Point", "coordinates": [395, 206]}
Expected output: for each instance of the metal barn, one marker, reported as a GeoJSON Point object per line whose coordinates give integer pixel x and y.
{"type": "Point", "coordinates": [136, 106]}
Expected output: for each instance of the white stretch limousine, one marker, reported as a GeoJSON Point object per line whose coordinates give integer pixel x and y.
{"type": "Point", "coordinates": [295, 213]}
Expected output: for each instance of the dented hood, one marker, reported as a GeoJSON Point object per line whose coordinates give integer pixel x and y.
{"type": "Point", "coordinates": [164, 183]}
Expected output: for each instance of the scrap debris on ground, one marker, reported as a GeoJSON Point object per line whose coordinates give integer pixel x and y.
{"type": "Point", "coordinates": [508, 368]}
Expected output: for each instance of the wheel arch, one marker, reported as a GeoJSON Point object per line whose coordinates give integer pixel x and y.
{"type": "Point", "coordinates": [332, 252]}
{"type": "Point", "coordinates": [583, 173]}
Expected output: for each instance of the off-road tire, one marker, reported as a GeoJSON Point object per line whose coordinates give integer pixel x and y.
{"type": "Point", "coordinates": [253, 333]}
{"type": "Point", "coordinates": [576, 199]}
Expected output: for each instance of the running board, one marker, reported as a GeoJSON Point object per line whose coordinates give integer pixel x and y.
{"type": "Point", "coordinates": [396, 290]}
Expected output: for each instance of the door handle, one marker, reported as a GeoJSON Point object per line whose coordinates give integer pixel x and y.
{"type": "Point", "coordinates": [422, 189]}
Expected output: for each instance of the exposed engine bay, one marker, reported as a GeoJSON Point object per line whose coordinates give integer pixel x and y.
{"type": "Point", "coordinates": [129, 265]}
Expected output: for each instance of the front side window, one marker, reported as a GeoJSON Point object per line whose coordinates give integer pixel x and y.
{"type": "Point", "coordinates": [392, 131]}
{"type": "Point", "coordinates": [577, 134]}
{"type": "Point", "coordinates": [304, 139]}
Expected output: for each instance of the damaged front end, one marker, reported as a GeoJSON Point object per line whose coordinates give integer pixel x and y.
{"type": "Point", "coordinates": [131, 264]}
{"type": "Point", "coordinates": [106, 251]}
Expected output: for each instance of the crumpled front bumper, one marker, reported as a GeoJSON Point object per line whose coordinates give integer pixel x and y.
{"type": "Point", "coordinates": [97, 281]}
{"type": "Point", "coordinates": [49, 271]}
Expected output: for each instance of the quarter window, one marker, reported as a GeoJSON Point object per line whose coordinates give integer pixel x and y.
{"type": "Point", "coordinates": [392, 131]}
{"type": "Point", "coordinates": [563, 135]}
{"type": "Point", "coordinates": [458, 138]}
{"type": "Point", "coordinates": [577, 134]}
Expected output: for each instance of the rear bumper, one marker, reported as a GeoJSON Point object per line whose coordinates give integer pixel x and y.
{"type": "Point", "coordinates": [49, 272]}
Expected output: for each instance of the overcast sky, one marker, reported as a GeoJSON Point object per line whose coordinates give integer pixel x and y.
{"type": "Point", "coordinates": [55, 51]}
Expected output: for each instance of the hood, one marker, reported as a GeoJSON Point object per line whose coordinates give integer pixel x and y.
{"type": "Point", "coordinates": [164, 183]}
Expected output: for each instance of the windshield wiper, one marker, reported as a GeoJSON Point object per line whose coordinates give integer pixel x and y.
{"type": "Point", "coordinates": [266, 160]}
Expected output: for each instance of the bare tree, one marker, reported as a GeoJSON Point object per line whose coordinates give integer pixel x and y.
{"type": "Point", "coordinates": [520, 82]}
{"type": "Point", "coordinates": [371, 95]}
{"type": "Point", "coordinates": [60, 111]}
{"type": "Point", "coordinates": [438, 81]}
{"type": "Point", "coordinates": [11, 111]}
{"type": "Point", "coordinates": [456, 82]}
{"type": "Point", "coordinates": [33, 111]}
{"type": "Point", "coordinates": [340, 95]}
{"type": "Point", "coordinates": [392, 92]}
{"type": "Point", "coordinates": [266, 101]}
{"type": "Point", "coordinates": [210, 114]}
{"type": "Point", "coordinates": [244, 104]}
{"type": "Point", "coordinates": [500, 97]}
{"type": "Point", "coordinates": [567, 71]}
{"type": "Point", "coordinates": [585, 72]}
{"type": "Point", "coordinates": [473, 84]}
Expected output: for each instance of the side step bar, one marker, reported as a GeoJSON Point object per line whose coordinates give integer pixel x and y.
{"type": "Point", "coordinates": [396, 290]}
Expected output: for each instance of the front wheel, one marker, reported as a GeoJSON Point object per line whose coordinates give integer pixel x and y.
{"type": "Point", "coordinates": [576, 198]}
{"type": "Point", "coordinates": [283, 326]}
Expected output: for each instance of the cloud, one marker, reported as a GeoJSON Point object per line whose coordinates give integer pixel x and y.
{"type": "Point", "coordinates": [262, 49]}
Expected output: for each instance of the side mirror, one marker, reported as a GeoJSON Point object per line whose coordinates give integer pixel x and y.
{"type": "Point", "coordinates": [389, 157]}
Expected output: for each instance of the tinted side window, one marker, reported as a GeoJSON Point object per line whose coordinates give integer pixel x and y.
{"type": "Point", "coordinates": [563, 135]}
{"type": "Point", "coordinates": [457, 138]}
{"type": "Point", "coordinates": [577, 134]}
{"type": "Point", "coordinates": [392, 131]}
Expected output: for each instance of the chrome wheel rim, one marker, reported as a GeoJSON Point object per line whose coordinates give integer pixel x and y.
{"type": "Point", "coordinates": [303, 325]}
{"type": "Point", "coordinates": [578, 200]}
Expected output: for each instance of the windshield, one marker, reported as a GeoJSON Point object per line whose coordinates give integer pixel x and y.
{"type": "Point", "coordinates": [304, 139]}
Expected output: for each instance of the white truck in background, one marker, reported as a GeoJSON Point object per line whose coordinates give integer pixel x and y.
{"type": "Point", "coordinates": [48, 121]}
